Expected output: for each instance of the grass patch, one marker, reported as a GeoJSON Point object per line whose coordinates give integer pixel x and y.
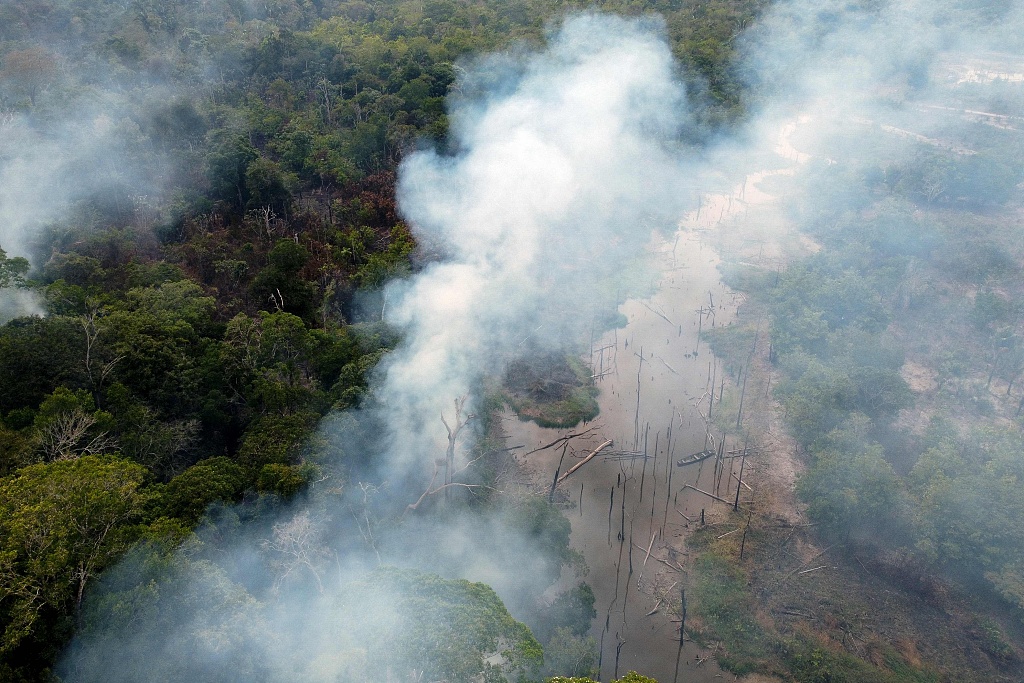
{"type": "Point", "coordinates": [811, 661]}
{"type": "Point", "coordinates": [725, 610]}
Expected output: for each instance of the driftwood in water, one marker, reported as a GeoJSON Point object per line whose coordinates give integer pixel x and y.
{"type": "Point", "coordinates": [554, 480]}
{"type": "Point", "coordinates": [559, 440]}
{"type": "Point", "coordinates": [626, 455]}
{"type": "Point", "coordinates": [647, 557]}
{"type": "Point", "coordinates": [649, 550]}
{"type": "Point", "coordinates": [709, 495]}
{"type": "Point", "coordinates": [660, 315]}
{"type": "Point", "coordinates": [585, 460]}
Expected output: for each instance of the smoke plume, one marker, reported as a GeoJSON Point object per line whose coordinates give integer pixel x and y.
{"type": "Point", "coordinates": [565, 164]}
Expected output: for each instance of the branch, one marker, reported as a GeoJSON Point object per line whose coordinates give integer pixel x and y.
{"type": "Point", "coordinates": [585, 460]}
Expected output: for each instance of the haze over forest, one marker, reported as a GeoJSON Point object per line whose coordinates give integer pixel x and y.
{"type": "Point", "coordinates": [322, 321]}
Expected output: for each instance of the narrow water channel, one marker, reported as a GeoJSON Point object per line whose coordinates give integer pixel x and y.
{"type": "Point", "coordinates": [631, 497]}
{"type": "Point", "coordinates": [631, 507]}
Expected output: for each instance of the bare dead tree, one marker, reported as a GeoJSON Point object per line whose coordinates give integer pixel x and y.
{"type": "Point", "coordinates": [364, 521]}
{"type": "Point", "coordinates": [323, 88]}
{"type": "Point", "coordinates": [453, 435]}
{"type": "Point", "coordinates": [431, 490]}
{"type": "Point", "coordinates": [296, 545]}
{"type": "Point", "coordinates": [277, 300]}
{"type": "Point", "coordinates": [268, 215]}
{"type": "Point", "coordinates": [97, 370]}
{"type": "Point", "coordinates": [67, 437]}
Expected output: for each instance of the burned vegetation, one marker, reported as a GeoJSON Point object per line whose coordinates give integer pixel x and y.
{"type": "Point", "coordinates": [551, 389]}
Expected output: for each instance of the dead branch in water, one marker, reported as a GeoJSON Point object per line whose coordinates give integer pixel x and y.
{"type": "Point", "coordinates": [559, 440]}
{"type": "Point", "coordinates": [709, 495]}
{"type": "Point", "coordinates": [706, 419]}
{"type": "Point", "coordinates": [585, 460]}
{"type": "Point", "coordinates": [745, 484]}
{"type": "Point", "coordinates": [660, 315]}
{"type": "Point", "coordinates": [649, 551]}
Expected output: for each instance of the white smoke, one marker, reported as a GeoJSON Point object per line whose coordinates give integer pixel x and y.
{"type": "Point", "coordinates": [566, 161]}
{"type": "Point", "coordinates": [16, 303]}
{"type": "Point", "coordinates": [558, 181]}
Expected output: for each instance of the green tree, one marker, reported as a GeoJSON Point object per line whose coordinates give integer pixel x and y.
{"type": "Point", "coordinates": [269, 361]}
{"type": "Point", "coordinates": [279, 286]}
{"type": "Point", "coordinates": [441, 626]}
{"type": "Point", "coordinates": [13, 270]}
{"type": "Point", "coordinates": [37, 355]}
{"type": "Point", "coordinates": [188, 495]}
{"type": "Point", "coordinates": [60, 524]}
{"type": "Point", "coordinates": [570, 654]}
{"type": "Point", "coordinates": [856, 494]}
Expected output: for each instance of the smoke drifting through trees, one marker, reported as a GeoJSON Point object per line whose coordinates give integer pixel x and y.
{"type": "Point", "coordinates": [564, 165]}
{"type": "Point", "coordinates": [570, 152]}
{"type": "Point", "coordinates": [557, 184]}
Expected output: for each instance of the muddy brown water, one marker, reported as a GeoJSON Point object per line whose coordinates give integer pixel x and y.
{"type": "Point", "coordinates": [655, 377]}
{"type": "Point", "coordinates": [631, 497]}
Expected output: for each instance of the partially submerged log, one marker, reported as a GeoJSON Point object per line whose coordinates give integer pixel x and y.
{"type": "Point", "coordinates": [710, 495]}
{"type": "Point", "coordinates": [585, 460]}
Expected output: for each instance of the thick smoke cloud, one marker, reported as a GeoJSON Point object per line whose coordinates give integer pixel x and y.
{"type": "Point", "coordinates": [893, 74]}
{"type": "Point", "coordinates": [558, 183]}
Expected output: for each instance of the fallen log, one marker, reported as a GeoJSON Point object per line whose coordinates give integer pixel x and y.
{"type": "Point", "coordinates": [742, 482]}
{"type": "Point", "coordinates": [710, 495]}
{"type": "Point", "coordinates": [585, 460]}
{"type": "Point", "coordinates": [807, 571]}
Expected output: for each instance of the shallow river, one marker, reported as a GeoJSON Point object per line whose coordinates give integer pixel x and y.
{"type": "Point", "coordinates": [652, 374]}
{"type": "Point", "coordinates": [631, 506]}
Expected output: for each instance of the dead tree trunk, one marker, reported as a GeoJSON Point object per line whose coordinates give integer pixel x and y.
{"type": "Point", "coordinates": [453, 435]}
